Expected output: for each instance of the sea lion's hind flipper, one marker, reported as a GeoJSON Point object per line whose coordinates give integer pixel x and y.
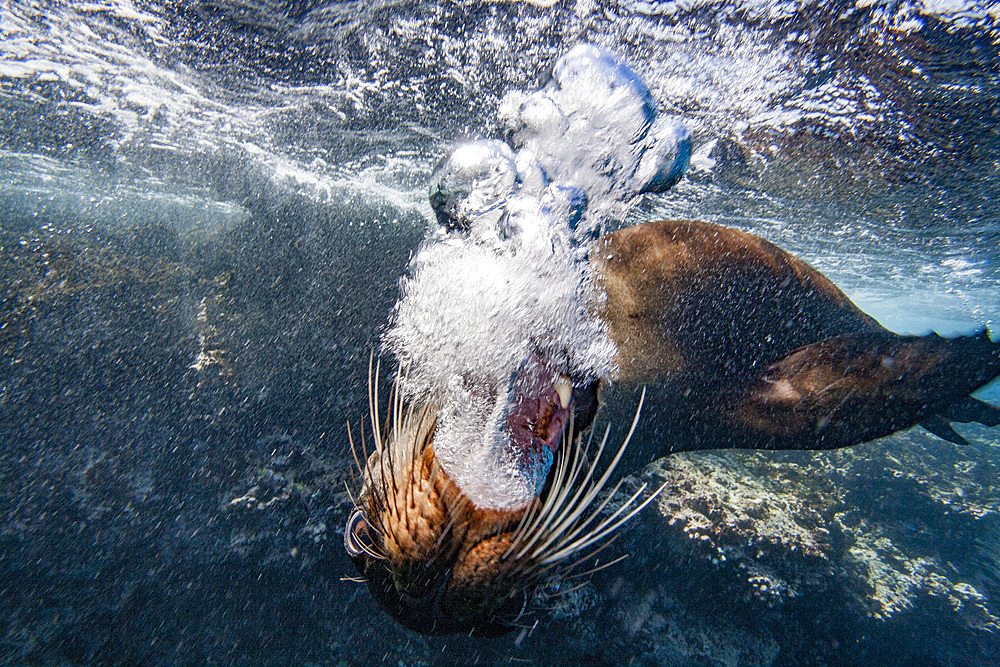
{"type": "Point", "coordinates": [965, 411]}
{"type": "Point", "coordinates": [971, 409]}
{"type": "Point", "coordinates": [857, 387]}
{"type": "Point", "coordinates": [941, 427]}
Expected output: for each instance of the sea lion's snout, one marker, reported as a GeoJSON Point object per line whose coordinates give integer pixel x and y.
{"type": "Point", "coordinates": [432, 559]}
{"type": "Point", "coordinates": [442, 563]}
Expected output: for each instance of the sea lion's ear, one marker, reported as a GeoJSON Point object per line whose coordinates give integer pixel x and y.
{"type": "Point", "coordinates": [857, 387]}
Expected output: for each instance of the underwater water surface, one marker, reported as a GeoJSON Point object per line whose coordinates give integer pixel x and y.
{"type": "Point", "coordinates": [205, 212]}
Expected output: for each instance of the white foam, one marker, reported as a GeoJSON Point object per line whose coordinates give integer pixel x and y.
{"type": "Point", "coordinates": [472, 316]}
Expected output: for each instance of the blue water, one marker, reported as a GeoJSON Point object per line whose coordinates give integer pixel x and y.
{"type": "Point", "coordinates": [205, 210]}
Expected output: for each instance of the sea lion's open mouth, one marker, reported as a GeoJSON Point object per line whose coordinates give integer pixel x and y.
{"type": "Point", "coordinates": [542, 408]}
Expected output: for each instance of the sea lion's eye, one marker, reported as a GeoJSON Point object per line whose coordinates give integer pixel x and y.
{"type": "Point", "coordinates": [358, 535]}
{"type": "Point", "coordinates": [514, 608]}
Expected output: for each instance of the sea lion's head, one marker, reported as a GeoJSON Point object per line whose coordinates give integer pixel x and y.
{"type": "Point", "coordinates": [431, 558]}
{"type": "Point", "coordinates": [439, 561]}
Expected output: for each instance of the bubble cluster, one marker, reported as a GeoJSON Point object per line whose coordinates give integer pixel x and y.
{"type": "Point", "coordinates": [577, 150]}
{"type": "Point", "coordinates": [502, 287]}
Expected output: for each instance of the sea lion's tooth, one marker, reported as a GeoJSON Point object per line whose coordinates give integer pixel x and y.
{"type": "Point", "coordinates": [564, 387]}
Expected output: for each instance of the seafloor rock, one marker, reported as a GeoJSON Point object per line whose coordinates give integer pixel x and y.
{"type": "Point", "coordinates": [143, 378]}
{"type": "Point", "coordinates": [884, 552]}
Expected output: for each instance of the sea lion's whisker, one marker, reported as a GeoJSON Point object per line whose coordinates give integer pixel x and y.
{"type": "Point", "coordinates": [389, 460]}
{"type": "Point", "coordinates": [427, 415]}
{"type": "Point", "coordinates": [376, 410]}
{"type": "Point", "coordinates": [581, 457]}
{"type": "Point", "coordinates": [375, 529]}
{"type": "Point", "coordinates": [395, 492]}
{"type": "Point", "coordinates": [409, 495]}
{"type": "Point", "coordinates": [595, 535]}
{"type": "Point", "coordinates": [586, 542]}
{"type": "Point", "coordinates": [588, 498]}
{"type": "Point", "coordinates": [354, 451]}
{"type": "Point", "coordinates": [433, 473]}
{"type": "Point", "coordinates": [386, 469]}
{"type": "Point", "coordinates": [596, 568]}
{"type": "Point", "coordinates": [416, 459]}
{"type": "Point", "coordinates": [362, 470]}
{"type": "Point", "coordinates": [382, 497]}
{"type": "Point", "coordinates": [388, 422]}
{"type": "Point", "coordinates": [364, 450]}
{"type": "Point", "coordinates": [560, 539]}
{"type": "Point", "coordinates": [565, 508]}
{"type": "Point", "coordinates": [349, 483]}
{"type": "Point", "coordinates": [529, 514]}
{"type": "Point", "coordinates": [347, 487]}
{"type": "Point", "coordinates": [583, 486]}
{"type": "Point", "coordinates": [540, 511]}
{"type": "Point", "coordinates": [371, 403]}
{"type": "Point", "coordinates": [558, 488]}
{"type": "Point", "coordinates": [567, 469]}
{"type": "Point", "coordinates": [562, 570]}
{"type": "Point", "coordinates": [574, 463]}
{"type": "Point", "coordinates": [373, 553]}
{"type": "Point", "coordinates": [385, 528]}
{"type": "Point", "coordinates": [545, 514]}
{"type": "Point", "coordinates": [522, 524]}
{"type": "Point", "coordinates": [559, 516]}
{"type": "Point", "coordinates": [396, 401]}
{"type": "Point", "coordinates": [569, 566]}
{"type": "Point", "coordinates": [584, 526]}
{"type": "Point", "coordinates": [447, 529]}
{"type": "Point", "coordinates": [568, 590]}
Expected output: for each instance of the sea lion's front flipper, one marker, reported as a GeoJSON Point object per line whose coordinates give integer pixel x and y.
{"type": "Point", "coordinates": [941, 427]}
{"type": "Point", "coordinates": [966, 411]}
{"type": "Point", "coordinates": [857, 387]}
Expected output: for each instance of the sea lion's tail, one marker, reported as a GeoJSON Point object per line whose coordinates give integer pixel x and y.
{"type": "Point", "coordinates": [856, 387]}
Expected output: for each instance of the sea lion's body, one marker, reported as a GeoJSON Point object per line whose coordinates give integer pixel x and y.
{"type": "Point", "coordinates": [517, 321]}
{"type": "Point", "coordinates": [738, 344]}
{"type": "Point", "coordinates": [743, 345]}
{"type": "Point", "coordinates": [688, 301]}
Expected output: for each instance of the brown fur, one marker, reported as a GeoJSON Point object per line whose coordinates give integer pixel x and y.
{"type": "Point", "coordinates": [747, 346]}
{"type": "Point", "coordinates": [684, 297]}
{"type": "Point", "coordinates": [436, 542]}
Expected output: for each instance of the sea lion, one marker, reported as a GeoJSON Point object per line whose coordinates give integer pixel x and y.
{"type": "Point", "coordinates": [489, 475]}
{"type": "Point", "coordinates": [738, 343]}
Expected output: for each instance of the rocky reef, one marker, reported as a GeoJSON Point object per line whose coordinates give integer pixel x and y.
{"type": "Point", "coordinates": [881, 553]}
